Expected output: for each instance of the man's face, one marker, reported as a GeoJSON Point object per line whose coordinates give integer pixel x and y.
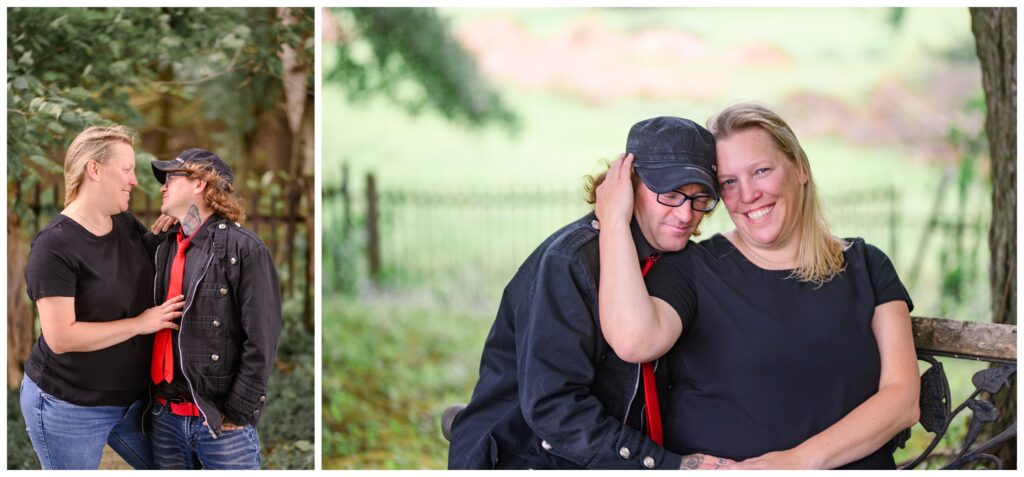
{"type": "Point", "coordinates": [666, 228]}
{"type": "Point", "coordinates": [178, 192]}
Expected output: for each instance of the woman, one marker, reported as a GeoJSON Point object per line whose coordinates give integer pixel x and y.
{"type": "Point", "coordinates": [795, 346]}
{"type": "Point", "coordinates": [91, 276]}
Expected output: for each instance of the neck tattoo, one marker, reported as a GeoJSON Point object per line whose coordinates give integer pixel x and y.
{"type": "Point", "coordinates": [191, 221]}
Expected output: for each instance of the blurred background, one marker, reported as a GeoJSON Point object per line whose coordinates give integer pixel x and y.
{"type": "Point", "coordinates": [236, 81]}
{"type": "Point", "coordinates": [456, 140]}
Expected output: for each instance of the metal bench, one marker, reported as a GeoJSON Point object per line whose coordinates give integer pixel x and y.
{"type": "Point", "coordinates": [988, 342]}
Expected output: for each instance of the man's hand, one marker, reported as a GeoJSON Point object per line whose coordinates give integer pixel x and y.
{"type": "Point", "coordinates": [230, 426]}
{"type": "Point", "coordinates": [162, 224]}
{"type": "Point", "coordinates": [615, 194]}
{"type": "Point", "coordinates": [226, 425]}
{"type": "Point", "coordinates": [704, 462]}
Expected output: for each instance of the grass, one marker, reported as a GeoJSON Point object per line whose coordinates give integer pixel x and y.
{"type": "Point", "coordinates": [384, 393]}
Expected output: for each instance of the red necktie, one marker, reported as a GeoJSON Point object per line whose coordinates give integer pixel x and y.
{"type": "Point", "coordinates": [162, 366]}
{"type": "Point", "coordinates": [652, 409]}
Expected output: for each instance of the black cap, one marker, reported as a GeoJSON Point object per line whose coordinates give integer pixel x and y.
{"type": "Point", "coordinates": [192, 156]}
{"type": "Point", "coordinates": [670, 152]}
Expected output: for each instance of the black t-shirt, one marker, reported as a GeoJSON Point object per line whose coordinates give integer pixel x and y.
{"type": "Point", "coordinates": [766, 361]}
{"type": "Point", "coordinates": [110, 278]}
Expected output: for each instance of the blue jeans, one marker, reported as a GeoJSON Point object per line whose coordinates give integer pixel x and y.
{"type": "Point", "coordinates": [69, 436]}
{"type": "Point", "coordinates": [183, 442]}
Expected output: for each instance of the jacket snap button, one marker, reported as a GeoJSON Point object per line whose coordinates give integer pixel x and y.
{"type": "Point", "coordinates": [256, 411]}
{"type": "Point", "coordinates": [234, 260]}
{"type": "Point", "coordinates": [214, 357]}
{"type": "Point", "coordinates": [649, 462]}
{"type": "Point", "coordinates": [545, 445]}
{"type": "Point", "coordinates": [624, 453]}
{"type": "Point", "coordinates": [237, 224]}
{"type": "Point", "coordinates": [595, 224]}
{"type": "Point", "coordinates": [216, 324]}
{"type": "Point", "coordinates": [223, 291]}
{"type": "Point", "coordinates": [263, 398]}
{"type": "Point", "coordinates": [222, 226]}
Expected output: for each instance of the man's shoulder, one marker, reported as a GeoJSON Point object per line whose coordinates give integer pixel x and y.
{"type": "Point", "coordinates": [238, 234]}
{"type": "Point", "coordinates": [574, 239]}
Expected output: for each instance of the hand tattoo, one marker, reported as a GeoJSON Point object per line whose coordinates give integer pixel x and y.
{"type": "Point", "coordinates": [190, 222]}
{"type": "Point", "coordinates": [691, 462]}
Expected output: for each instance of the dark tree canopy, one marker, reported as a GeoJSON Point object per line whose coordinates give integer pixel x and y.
{"type": "Point", "coordinates": [409, 56]}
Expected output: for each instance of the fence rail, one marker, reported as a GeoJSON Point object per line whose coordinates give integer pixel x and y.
{"type": "Point", "coordinates": [280, 214]}
{"type": "Point", "coordinates": [477, 238]}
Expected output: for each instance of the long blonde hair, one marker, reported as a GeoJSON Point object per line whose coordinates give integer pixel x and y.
{"type": "Point", "coordinates": [93, 144]}
{"type": "Point", "coordinates": [820, 256]}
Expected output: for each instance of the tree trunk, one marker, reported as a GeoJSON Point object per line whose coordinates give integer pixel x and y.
{"type": "Point", "coordinates": [995, 32]}
{"type": "Point", "coordinates": [20, 320]}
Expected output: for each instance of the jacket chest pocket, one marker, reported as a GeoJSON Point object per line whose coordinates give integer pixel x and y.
{"type": "Point", "coordinates": [213, 299]}
{"type": "Point", "coordinates": [614, 382]}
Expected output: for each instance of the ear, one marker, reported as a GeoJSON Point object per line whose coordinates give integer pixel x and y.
{"type": "Point", "coordinates": [200, 188]}
{"type": "Point", "coordinates": [803, 176]}
{"type": "Point", "coordinates": [92, 169]}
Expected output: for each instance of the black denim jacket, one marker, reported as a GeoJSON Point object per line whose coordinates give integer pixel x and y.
{"type": "Point", "coordinates": [231, 325]}
{"type": "Point", "coordinates": [552, 394]}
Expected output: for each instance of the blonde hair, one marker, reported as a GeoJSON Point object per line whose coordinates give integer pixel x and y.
{"type": "Point", "coordinates": [93, 144]}
{"type": "Point", "coordinates": [590, 183]}
{"type": "Point", "coordinates": [820, 256]}
{"type": "Point", "coordinates": [219, 195]}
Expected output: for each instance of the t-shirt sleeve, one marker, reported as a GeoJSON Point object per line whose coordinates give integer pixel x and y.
{"type": "Point", "coordinates": [887, 284]}
{"type": "Point", "coordinates": [50, 272]}
{"type": "Point", "coordinates": [139, 230]}
{"type": "Point", "coordinates": [671, 279]}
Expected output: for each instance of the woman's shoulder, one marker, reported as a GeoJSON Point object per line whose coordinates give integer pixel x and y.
{"type": "Point", "coordinates": [128, 223]}
{"type": "Point", "coordinates": [857, 249]}
{"type": "Point", "coordinates": [55, 231]}
{"type": "Point", "coordinates": [717, 246]}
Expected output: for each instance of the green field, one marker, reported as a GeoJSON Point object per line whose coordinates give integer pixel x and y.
{"type": "Point", "coordinates": [396, 354]}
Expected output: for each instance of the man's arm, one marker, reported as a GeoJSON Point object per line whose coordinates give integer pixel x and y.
{"type": "Point", "coordinates": [260, 314]}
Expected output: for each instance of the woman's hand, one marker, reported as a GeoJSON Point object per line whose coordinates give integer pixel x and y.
{"type": "Point", "coordinates": [704, 462]}
{"type": "Point", "coordinates": [788, 459]}
{"type": "Point", "coordinates": [615, 194]}
{"type": "Point", "coordinates": [162, 224]}
{"type": "Point", "coordinates": [161, 316]}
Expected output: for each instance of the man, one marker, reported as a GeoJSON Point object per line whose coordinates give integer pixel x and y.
{"type": "Point", "coordinates": [211, 375]}
{"type": "Point", "coordinates": [552, 393]}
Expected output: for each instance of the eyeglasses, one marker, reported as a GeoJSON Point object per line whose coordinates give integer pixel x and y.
{"type": "Point", "coordinates": [177, 174]}
{"type": "Point", "coordinates": [698, 202]}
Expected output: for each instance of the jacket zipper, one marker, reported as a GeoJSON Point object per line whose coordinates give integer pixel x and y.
{"type": "Point", "coordinates": [636, 387]}
{"type": "Point", "coordinates": [181, 357]}
{"type": "Point", "coordinates": [156, 268]}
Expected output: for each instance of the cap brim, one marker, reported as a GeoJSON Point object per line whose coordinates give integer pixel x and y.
{"type": "Point", "coordinates": [669, 177]}
{"type": "Point", "coordinates": [161, 168]}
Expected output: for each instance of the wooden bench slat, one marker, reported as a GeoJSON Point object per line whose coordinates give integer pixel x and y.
{"type": "Point", "coordinates": [966, 339]}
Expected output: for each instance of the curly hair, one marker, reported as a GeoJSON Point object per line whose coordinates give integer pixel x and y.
{"type": "Point", "coordinates": [220, 195]}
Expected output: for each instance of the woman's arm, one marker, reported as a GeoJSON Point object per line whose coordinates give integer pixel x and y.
{"type": "Point", "coordinates": [638, 327]}
{"type": "Point", "coordinates": [63, 334]}
{"type": "Point", "coordinates": [869, 426]}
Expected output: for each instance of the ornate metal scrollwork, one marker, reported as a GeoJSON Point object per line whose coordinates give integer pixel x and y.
{"type": "Point", "coordinates": [936, 413]}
